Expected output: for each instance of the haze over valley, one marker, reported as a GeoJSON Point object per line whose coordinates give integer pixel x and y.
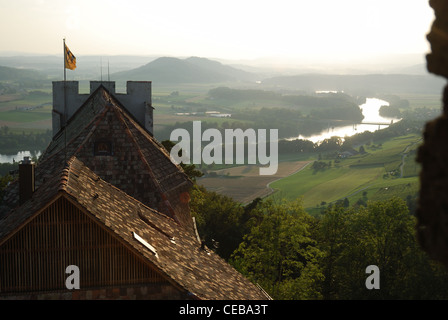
{"type": "Point", "coordinates": [336, 92]}
{"type": "Point", "coordinates": [409, 74]}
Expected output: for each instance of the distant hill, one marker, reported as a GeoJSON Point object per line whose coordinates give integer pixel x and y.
{"type": "Point", "coordinates": [418, 69]}
{"type": "Point", "coordinates": [168, 70]}
{"type": "Point", "coordinates": [362, 84]}
{"type": "Point", "coordinates": [14, 74]}
{"type": "Point", "coordinates": [408, 77]}
{"type": "Point", "coordinates": [87, 67]}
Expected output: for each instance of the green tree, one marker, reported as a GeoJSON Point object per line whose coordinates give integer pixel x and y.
{"type": "Point", "coordinates": [381, 234]}
{"type": "Point", "coordinates": [281, 253]}
{"type": "Point", "coordinates": [218, 220]}
{"type": "Point", "coordinates": [385, 232]}
{"type": "Point", "coordinates": [333, 232]}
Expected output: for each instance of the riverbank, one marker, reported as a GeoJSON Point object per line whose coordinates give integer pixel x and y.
{"type": "Point", "coordinates": [372, 121]}
{"type": "Point", "coordinates": [6, 158]}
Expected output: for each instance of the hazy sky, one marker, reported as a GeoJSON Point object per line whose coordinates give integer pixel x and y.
{"type": "Point", "coordinates": [234, 29]}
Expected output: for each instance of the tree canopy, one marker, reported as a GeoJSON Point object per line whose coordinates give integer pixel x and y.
{"type": "Point", "coordinates": [294, 255]}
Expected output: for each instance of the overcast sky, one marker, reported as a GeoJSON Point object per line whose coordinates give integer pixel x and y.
{"type": "Point", "coordinates": [232, 29]}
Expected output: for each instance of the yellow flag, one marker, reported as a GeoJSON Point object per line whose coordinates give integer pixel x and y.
{"type": "Point", "coordinates": [70, 59]}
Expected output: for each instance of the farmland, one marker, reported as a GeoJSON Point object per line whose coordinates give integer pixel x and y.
{"type": "Point", "coordinates": [243, 183]}
{"type": "Point", "coordinates": [372, 175]}
{"type": "Point", "coordinates": [385, 169]}
{"type": "Point", "coordinates": [30, 112]}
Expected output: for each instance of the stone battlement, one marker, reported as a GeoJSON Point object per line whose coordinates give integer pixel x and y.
{"type": "Point", "coordinates": [137, 101]}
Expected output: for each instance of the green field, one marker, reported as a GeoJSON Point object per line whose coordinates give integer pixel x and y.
{"type": "Point", "coordinates": [26, 116]}
{"type": "Point", "coordinates": [372, 175]}
{"type": "Point", "coordinates": [423, 100]}
{"type": "Point", "coordinates": [26, 112]}
{"type": "Point", "coordinates": [11, 102]}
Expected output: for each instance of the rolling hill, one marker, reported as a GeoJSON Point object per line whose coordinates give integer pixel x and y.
{"type": "Point", "coordinates": [169, 70]}
{"type": "Point", "coordinates": [15, 74]}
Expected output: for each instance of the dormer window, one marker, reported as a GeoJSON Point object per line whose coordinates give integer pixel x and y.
{"type": "Point", "coordinates": [102, 148]}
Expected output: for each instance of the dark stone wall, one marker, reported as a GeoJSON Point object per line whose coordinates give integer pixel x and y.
{"type": "Point", "coordinates": [432, 212]}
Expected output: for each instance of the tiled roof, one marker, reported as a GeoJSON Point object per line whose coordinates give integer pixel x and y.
{"type": "Point", "coordinates": [15, 218]}
{"type": "Point", "coordinates": [172, 249]}
{"type": "Point", "coordinates": [140, 165]}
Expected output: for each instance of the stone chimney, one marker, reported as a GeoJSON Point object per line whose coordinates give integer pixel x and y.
{"type": "Point", "coordinates": [26, 179]}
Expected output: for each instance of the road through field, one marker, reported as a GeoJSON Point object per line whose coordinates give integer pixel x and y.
{"type": "Point", "coordinates": [244, 183]}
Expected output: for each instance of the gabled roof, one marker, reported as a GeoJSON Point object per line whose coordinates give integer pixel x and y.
{"type": "Point", "coordinates": [172, 249]}
{"type": "Point", "coordinates": [142, 167]}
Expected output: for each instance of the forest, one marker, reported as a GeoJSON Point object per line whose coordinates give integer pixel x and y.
{"type": "Point", "coordinates": [11, 142]}
{"type": "Point", "coordinates": [336, 106]}
{"type": "Point", "coordinates": [294, 255]}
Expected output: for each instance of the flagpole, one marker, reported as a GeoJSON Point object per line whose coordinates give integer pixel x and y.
{"type": "Point", "coordinates": [64, 58]}
{"type": "Point", "coordinates": [64, 117]}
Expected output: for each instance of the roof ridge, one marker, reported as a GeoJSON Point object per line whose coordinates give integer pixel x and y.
{"type": "Point", "coordinates": [150, 171]}
{"type": "Point", "coordinates": [65, 175]}
{"type": "Point", "coordinates": [123, 112]}
{"type": "Point", "coordinates": [65, 181]}
{"type": "Point", "coordinates": [95, 120]}
{"type": "Point", "coordinates": [149, 136]}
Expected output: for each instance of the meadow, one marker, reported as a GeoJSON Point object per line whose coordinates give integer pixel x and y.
{"type": "Point", "coordinates": [244, 184]}
{"type": "Point", "coordinates": [30, 113]}
{"type": "Point", "coordinates": [373, 175]}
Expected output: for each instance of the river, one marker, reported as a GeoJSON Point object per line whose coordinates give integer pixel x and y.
{"type": "Point", "coordinates": [371, 122]}
{"type": "Point", "coordinates": [370, 110]}
{"type": "Point", "coordinates": [10, 158]}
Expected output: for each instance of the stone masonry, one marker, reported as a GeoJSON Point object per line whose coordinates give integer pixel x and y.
{"type": "Point", "coordinates": [432, 212]}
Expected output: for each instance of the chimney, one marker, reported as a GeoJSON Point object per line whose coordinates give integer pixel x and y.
{"type": "Point", "coordinates": [26, 179]}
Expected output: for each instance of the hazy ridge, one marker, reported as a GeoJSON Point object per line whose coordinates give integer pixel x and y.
{"type": "Point", "coordinates": [410, 76]}
{"type": "Point", "coordinates": [169, 70]}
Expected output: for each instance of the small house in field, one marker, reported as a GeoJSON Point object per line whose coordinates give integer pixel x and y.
{"type": "Point", "coordinates": [105, 214]}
